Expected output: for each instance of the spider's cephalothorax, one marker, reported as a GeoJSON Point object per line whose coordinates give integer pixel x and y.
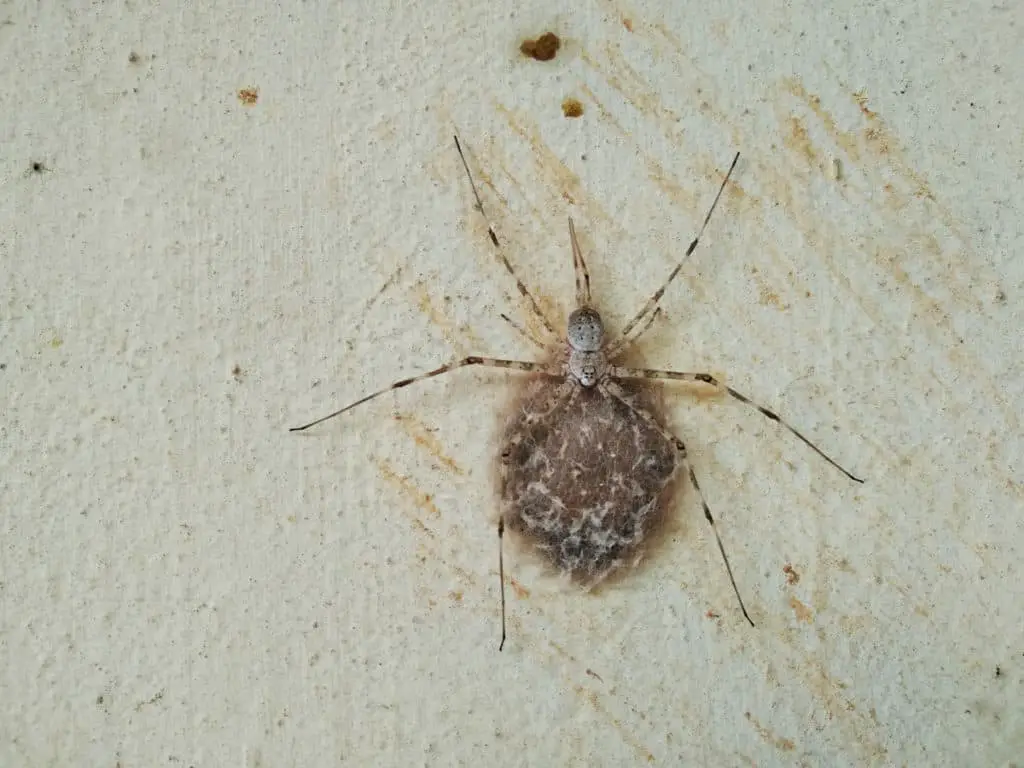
{"type": "Point", "coordinates": [585, 336]}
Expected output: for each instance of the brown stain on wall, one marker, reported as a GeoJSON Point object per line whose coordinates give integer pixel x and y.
{"type": "Point", "coordinates": [801, 611]}
{"type": "Point", "coordinates": [688, 197]}
{"type": "Point", "coordinates": [455, 335]}
{"type": "Point", "coordinates": [633, 88]}
{"type": "Point", "coordinates": [874, 153]}
{"type": "Point", "coordinates": [422, 500]}
{"type": "Point", "coordinates": [552, 174]}
{"type": "Point", "coordinates": [627, 736]}
{"type": "Point", "coordinates": [423, 438]}
{"type": "Point", "coordinates": [521, 592]}
{"type": "Point", "coordinates": [786, 745]}
{"type": "Point", "coordinates": [797, 139]}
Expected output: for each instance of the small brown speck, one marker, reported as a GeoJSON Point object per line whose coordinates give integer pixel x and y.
{"type": "Point", "coordinates": [572, 107]}
{"type": "Point", "coordinates": [37, 166]}
{"type": "Point", "coordinates": [133, 58]}
{"type": "Point", "coordinates": [791, 575]}
{"type": "Point", "coordinates": [248, 96]}
{"type": "Point", "coordinates": [236, 371]}
{"type": "Point", "coordinates": [456, 595]}
{"type": "Point", "coordinates": [594, 675]}
{"type": "Point", "coordinates": [543, 48]}
{"type": "Point", "coordinates": [711, 615]}
{"type": "Point", "coordinates": [628, 24]}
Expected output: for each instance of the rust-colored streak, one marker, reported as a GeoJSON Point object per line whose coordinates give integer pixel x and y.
{"type": "Point", "coordinates": [802, 612]}
{"type": "Point", "coordinates": [558, 175]}
{"type": "Point", "coordinates": [422, 500]}
{"type": "Point", "coordinates": [875, 138]}
{"type": "Point", "coordinates": [452, 334]}
{"type": "Point", "coordinates": [521, 592]}
{"type": "Point", "coordinates": [786, 745]}
{"type": "Point", "coordinates": [592, 698]}
{"type": "Point", "coordinates": [865, 149]}
{"type": "Point", "coordinates": [799, 141]}
{"type": "Point", "coordinates": [249, 96]}
{"type": "Point", "coordinates": [544, 48]}
{"type": "Point", "coordinates": [638, 91]}
{"type": "Point", "coordinates": [422, 436]}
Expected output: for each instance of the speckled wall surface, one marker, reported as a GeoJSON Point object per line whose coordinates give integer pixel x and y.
{"type": "Point", "coordinates": [220, 222]}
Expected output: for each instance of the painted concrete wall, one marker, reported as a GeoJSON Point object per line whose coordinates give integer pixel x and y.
{"type": "Point", "coordinates": [221, 221]}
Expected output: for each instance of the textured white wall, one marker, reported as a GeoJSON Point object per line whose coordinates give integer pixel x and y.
{"type": "Point", "coordinates": [183, 582]}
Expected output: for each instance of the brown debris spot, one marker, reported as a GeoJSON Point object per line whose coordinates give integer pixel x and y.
{"type": "Point", "coordinates": [572, 107]}
{"type": "Point", "coordinates": [792, 577]}
{"type": "Point", "coordinates": [543, 48]}
{"type": "Point", "coordinates": [628, 24]}
{"type": "Point", "coordinates": [249, 96]}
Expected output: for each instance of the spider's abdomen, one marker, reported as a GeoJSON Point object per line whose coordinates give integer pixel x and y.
{"type": "Point", "coordinates": [588, 483]}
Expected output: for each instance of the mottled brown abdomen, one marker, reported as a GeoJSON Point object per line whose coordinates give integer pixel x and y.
{"type": "Point", "coordinates": [587, 483]}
